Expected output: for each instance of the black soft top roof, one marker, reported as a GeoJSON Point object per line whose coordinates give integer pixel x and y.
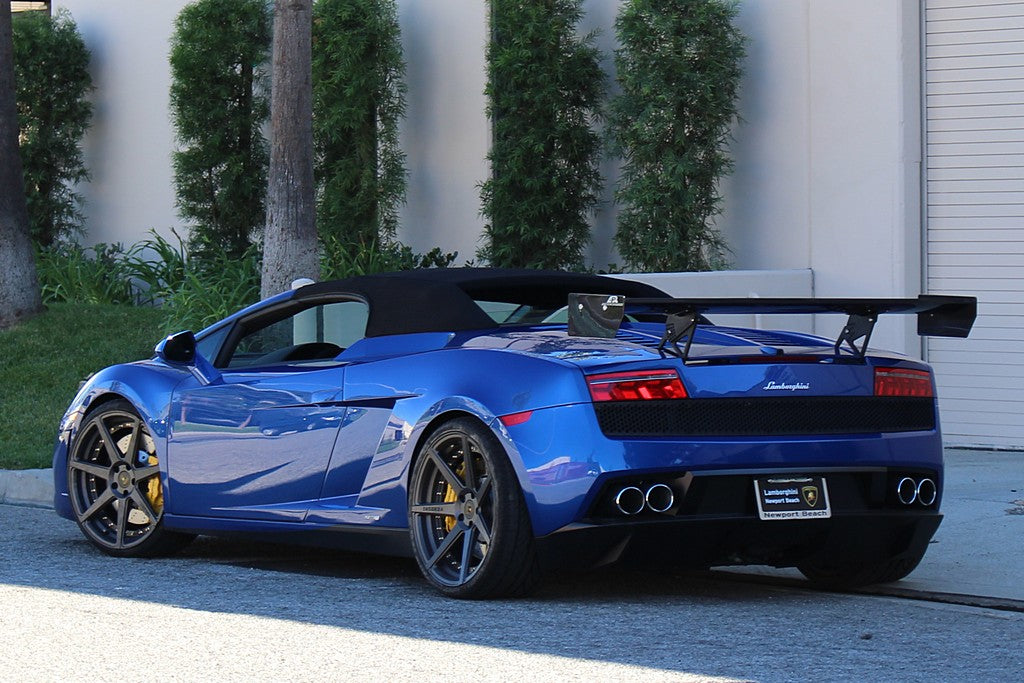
{"type": "Point", "coordinates": [442, 299]}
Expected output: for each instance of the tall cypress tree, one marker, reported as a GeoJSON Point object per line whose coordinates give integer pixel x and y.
{"type": "Point", "coordinates": [219, 104]}
{"type": "Point", "coordinates": [544, 88]}
{"type": "Point", "coordinates": [51, 65]}
{"type": "Point", "coordinates": [358, 102]}
{"type": "Point", "coordinates": [679, 65]}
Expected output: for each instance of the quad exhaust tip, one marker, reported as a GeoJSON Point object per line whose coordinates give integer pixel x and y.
{"type": "Point", "coordinates": [927, 492]}
{"type": "Point", "coordinates": [909, 491]}
{"type": "Point", "coordinates": [631, 500]}
{"type": "Point", "coordinates": [660, 498]}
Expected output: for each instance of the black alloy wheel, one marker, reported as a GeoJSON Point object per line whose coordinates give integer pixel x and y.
{"type": "Point", "coordinates": [114, 485]}
{"type": "Point", "coordinates": [471, 532]}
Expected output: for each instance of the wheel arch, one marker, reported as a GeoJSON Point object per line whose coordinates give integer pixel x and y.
{"type": "Point", "coordinates": [453, 409]}
{"type": "Point", "coordinates": [145, 387]}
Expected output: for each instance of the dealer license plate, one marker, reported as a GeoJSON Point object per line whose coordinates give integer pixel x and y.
{"type": "Point", "coordinates": [792, 497]}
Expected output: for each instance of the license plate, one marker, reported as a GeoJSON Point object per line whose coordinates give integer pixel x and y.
{"type": "Point", "coordinates": [792, 497]}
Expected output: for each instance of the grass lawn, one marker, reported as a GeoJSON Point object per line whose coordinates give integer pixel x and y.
{"type": "Point", "coordinates": [43, 360]}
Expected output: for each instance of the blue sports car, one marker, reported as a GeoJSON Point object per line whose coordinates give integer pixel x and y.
{"type": "Point", "coordinates": [498, 424]}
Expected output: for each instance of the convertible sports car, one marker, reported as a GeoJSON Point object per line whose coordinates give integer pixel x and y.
{"type": "Point", "coordinates": [496, 424]}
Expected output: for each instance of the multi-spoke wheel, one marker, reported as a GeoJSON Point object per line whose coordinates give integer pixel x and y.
{"type": "Point", "coordinates": [471, 533]}
{"type": "Point", "coordinates": [114, 484]}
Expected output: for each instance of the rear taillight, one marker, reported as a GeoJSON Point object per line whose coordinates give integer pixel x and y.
{"type": "Point", "coordinates": [637, 385]}
{"type": "Point", "coordinates": [903, 382]}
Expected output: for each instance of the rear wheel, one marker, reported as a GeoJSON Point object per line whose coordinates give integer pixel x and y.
{"type": "Point", "coordinates": [471, 533]}
{"type": "Point", "coordinates": [114, 485]}
{"type": "Point", "coordinates": [855, 575]}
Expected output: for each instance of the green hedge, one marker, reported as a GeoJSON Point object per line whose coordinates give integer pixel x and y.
{"type": "Point", "coordinates": [51, 67]}
{"type": "Point", "coordinates": [219, 104]}
{"type": "Point", "coordinates": [544, 91]}
{"type": "Point", "coordinates": [679, 67]}
{"type": "Point", "coordinates": [358, 101]}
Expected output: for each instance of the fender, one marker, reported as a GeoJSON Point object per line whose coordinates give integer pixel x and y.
{"type": "Point", "coordinates": [145, 384]}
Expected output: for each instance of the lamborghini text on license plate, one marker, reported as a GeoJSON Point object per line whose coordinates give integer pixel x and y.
{"type": "Point", "coordinates": [792, 497]}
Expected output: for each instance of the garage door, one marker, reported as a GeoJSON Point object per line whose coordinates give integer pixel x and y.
{"type": "Point", "coordinates": [974, 80]}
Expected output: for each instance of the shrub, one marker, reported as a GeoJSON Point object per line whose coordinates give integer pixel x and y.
{"type": "Point", "coordinates": [219, 105]}
{"type": "Point", "coordinates": [341, 259]}
{"type": "Point", "coordinates": [51, 66]}
{"type": "Point", "coordinates": [358, 101]}
{"type": "Point", "coordinates": [213, 288]}
{"type": "Point", "coordinates": [69, 273]}
{"type": "Point", "coordinates": [544, 88]}
{"type": "Point", "coordinates": [679, 67]}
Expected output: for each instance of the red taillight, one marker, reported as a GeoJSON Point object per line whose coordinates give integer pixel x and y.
{"type": "Point", "coordinates": [903, 382]}
{"type": "Point", "coordinates": [638, 385]}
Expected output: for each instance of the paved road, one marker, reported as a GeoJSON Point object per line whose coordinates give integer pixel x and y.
{"type": "Point", "coordinates": [240, 612]}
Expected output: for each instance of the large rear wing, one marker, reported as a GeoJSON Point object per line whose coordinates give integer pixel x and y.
{"type": "Point", "coordinates": [599, 315]}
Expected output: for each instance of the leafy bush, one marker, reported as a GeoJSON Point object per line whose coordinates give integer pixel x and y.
{"type": "Point", "coordinates": [51, 66]}
{"type": "Point", "coordinates": [358, 100]}
{"type": "Point", "coordinates": [341, 259]}
{"type": "Point", "coordinates": [194, 293]}
{"type": "Point", "coordinates": [213, 288]}
{"type": "Point", "coordinates": [679, 67]}
{"type": "Point", "coordinates": [544, 88]}
{"type": "Point", "coordinates": [69, 273]}
{"type": "Point", "coordinates": [219, 105]}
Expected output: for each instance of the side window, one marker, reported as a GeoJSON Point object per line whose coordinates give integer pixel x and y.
{"type": "Point", "coordinates": [209, 346]}
{"type": "Point", "coordinates": [313, 334]}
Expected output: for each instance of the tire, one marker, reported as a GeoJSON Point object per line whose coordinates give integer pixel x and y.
{"type": "Point", "coordinates": [471, 533]}
{"type": "Point", "coordinates": [862, 574]}
{"type": "Point", "coordinates": [115, 488]}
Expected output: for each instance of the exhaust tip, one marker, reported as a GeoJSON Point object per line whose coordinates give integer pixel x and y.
{"type": "Point", "coordinates": [906, 491]}
{"type": "Point", "coordinates": [630, 500]}
{"type": "Point", "coordinates": [660, 498]}
{"type": "Point", "coordinates": [927, 492]}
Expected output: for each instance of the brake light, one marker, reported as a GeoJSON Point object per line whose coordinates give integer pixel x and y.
{"type": "Point", "coordinates": [637, 385]}
{"type": "Point", "coordinates": [903, 382]}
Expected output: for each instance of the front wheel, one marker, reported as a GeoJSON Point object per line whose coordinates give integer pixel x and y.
{"type": "Point", "coordinates": [471, 533]}
{"type": "Point", "coordinates": [114, 485]}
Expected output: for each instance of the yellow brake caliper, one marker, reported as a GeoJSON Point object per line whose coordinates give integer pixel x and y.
{"type": "Point", "coordinates": [154, 492]}
{"type": "Point", "coordinates": [450, 496]}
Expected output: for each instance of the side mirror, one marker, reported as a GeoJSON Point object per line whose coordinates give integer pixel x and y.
{"type": "Point", "coordinates": [179, 348]}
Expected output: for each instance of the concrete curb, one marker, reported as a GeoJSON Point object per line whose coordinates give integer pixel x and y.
{"type": "Point", "coordinates": [33, 488]}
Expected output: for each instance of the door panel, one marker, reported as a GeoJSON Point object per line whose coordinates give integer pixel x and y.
{"type": "Point", "coordinates": [255, 446]}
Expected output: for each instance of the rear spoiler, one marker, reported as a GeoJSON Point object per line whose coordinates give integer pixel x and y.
{"type": "Point", "coordinates": [599, 315]}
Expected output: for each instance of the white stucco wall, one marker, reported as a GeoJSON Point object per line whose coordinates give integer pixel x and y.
{"type": "Point", "coordinates": [827, 155]}
{"type": "Point", "coordinates": [128, 148]}
{"type": "Point", "coordinates": [446, 133]}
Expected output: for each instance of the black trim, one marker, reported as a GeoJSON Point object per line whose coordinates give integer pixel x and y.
{"type": "Point", "coordinates": [766, 416]}
{"type": "Point", "coordinates": [707, 542]}
{"type": "Point", "coordinates": [442, 299]}
{"type": "Point", "coordinates": [941, 316]}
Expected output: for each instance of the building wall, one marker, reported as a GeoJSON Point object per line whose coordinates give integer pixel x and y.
{"type": "Point", "coordinates": [128, 148]}
{"type": "Point", "coordinates": [446, 133]}
{"type": "Point", "coordinates": [827, 154]}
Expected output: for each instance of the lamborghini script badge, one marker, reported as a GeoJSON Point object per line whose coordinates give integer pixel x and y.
{"type": "Point", "coordinates": [810, 495]}
{"type": "Point", "coordinates": [783, 386]}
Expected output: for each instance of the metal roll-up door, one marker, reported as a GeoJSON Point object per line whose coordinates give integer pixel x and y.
{"type": "Point", "coordinates": [974, 111]}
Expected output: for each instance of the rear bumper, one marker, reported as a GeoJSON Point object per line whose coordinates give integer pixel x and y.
{"type": "Point", "coordinates": [736, 540]}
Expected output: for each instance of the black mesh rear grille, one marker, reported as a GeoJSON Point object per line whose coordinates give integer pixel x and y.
{"type": "Point", "coordinates": [771, 416]}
